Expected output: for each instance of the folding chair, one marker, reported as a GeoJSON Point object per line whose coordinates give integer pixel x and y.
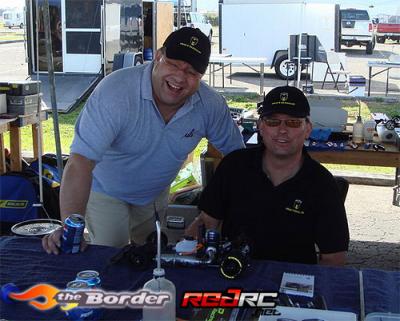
{"type": "Point", "coordinates": [334, 67]}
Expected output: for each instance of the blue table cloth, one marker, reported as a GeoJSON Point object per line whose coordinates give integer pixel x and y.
{"type": "Point", "coordinates": [24, 262]}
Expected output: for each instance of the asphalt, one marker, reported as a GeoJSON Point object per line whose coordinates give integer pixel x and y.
{"type": "Point", "coordinates": [373, 221]}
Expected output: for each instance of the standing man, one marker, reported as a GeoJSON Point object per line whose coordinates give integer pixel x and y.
{"type": "Point", "coordinates": [134, 134]}
{"type": "Point", "coordinates": [276, 196]}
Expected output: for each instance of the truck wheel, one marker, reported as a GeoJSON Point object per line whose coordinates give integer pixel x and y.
{"type": "Point", "coordinates": [369, 48]}
{"type": "Point", "coordinates": [380, 39]}
{"type": "Point", "coordinates": [285, 68]}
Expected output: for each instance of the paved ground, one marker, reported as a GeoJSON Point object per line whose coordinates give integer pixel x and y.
{"type": "Point", "coordinates": [374, 222]}
{"type": "Point", "coordinates": [245, 80]}
{"type": "Point", "coordinates": [374, 228]}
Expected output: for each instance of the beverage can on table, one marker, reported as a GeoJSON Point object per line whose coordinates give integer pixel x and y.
{"type": "Point", "coordinates": [72, 233]}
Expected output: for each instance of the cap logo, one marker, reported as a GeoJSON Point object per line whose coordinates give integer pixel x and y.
{"type": "Point", "coordinates": [194, 41]}
{"type": "Point", "coordinates": [284, 96]}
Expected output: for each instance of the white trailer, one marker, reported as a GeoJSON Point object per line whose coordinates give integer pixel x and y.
{"type": "Point", "coordinates": [13, 18]}
{"type": "Point", "coordinates": [261, 28]}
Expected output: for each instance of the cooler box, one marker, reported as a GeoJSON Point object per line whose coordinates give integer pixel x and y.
{"type": "Point", "coordinates": [23, 105]}
{"type": "Point", "coordinates": [356, 86]}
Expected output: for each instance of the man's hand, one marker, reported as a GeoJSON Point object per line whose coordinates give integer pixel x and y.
{"type": "Point", "coordinates": [52, 242]}
{"type": "Point", "coordinates": [203, 218]}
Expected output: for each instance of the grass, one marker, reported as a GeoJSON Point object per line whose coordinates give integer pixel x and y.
{"type": "Point", "coordinates": [10, 34]}
{"type": "Point", "coordinates": [67, 121]}
{"type": "Point", "coordinates": [66, 126]}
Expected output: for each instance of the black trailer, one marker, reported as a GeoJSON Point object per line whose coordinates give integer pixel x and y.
{"type": "Point", "coordinates": [85, 34]}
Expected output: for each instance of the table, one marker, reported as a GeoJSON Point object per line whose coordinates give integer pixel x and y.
{"type": "Point", "coordinates": [390, 157]}
{"type": "Point", "coordinates": [228, 61]}
{"type": "Point", "coordinates": [25, 263]}
{"type": "Point", "coordinates": [14, 125]}
{"type": "Point", "coordinates": [380, 64]}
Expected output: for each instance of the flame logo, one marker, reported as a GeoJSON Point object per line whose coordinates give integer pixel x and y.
{"type": "Point", "coordinates": [43, 291]}
{"type": "Point", "coordinates": [46, 291]}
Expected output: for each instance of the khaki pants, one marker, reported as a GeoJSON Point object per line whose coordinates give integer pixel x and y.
{"type": "Point", "coordinates": [115, 223]}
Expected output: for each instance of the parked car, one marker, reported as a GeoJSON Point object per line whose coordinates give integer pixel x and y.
{"type": "Point", "coordinates": [355, 29]}
{"type": "Point", "coordinates": [195, 20]}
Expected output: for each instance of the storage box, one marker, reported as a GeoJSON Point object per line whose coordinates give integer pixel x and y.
{"type": "Point", "coordinates": [22, 105]}
{"type": "Point", "coordinates": [22, 110]}
{"type": "Point", "coordinates": [356, 86]}
{"type": "Point", "coordinates": [20, 88]}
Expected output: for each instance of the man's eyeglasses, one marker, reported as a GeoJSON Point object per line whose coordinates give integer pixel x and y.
{"type": "Point", "coordinates": [291, 123]}
{"type": "Point", "coordinates": [188, 71]}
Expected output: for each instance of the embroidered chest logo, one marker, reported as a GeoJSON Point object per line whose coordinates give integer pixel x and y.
{"type": "Point", "coordinates": [297, 207]}
{"type": "Point", "coordinates": [190, 134]}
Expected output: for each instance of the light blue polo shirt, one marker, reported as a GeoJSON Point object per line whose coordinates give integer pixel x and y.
{"type": "Point", "coordinates": [137, 155]}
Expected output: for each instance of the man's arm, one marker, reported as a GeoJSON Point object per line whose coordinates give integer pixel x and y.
{"type": "Point", "coordinates": [203, 218]}
{"type": "Point", "coordinates": [337, 259]}
{"type": "Point", "coordinates": [75, 186]}
{"type": "Point", "coordinates": [74, 195]}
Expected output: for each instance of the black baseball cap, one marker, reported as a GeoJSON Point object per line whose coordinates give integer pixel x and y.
{"type": "Point", "coordinates": [190, 45]}
{"type": "Point", "coordinates": [285, 100]}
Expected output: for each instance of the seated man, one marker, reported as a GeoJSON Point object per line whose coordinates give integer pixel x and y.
{"type": "Point", "coordinates": [276, 195]}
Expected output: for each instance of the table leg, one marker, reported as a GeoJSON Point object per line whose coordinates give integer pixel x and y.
{"type": "Point", "coordinates": [369, 80]}
{"type": "Point", "coordinates": [223, 75]}
{"type": "Point", "coordinates": [387, 82]}
{"type": "Point", "coordinates": [3, 167]}
{"type": "Point", "coordinates": [15, 148]}
{"type": "Point", "coordinates": [230, 73]}
{"type": "Point", "coordinates": [36, 135]}
{"type": "Point", "coordinates": [213, 67]}
{"type": "Point", "coordinates": [209, 74]}
{"type": "Point", "coordinates": [396, 189]}
{"type": "Point", "coordinates": [261, 78]}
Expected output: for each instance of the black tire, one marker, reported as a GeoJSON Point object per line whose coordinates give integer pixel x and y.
{"type": "Point", "coordinates": [281, 68]}
{"type": "Point", "coordinates": [21, 26]}
{"type": "Point", "coordinates": [380, 39]}
{"type": "Point", "coordinates": [369, 48]}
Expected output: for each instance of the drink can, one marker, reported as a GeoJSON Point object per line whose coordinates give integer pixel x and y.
{"type": "Point", "coordinates": [72, 233]}
{"type": "Point", "coordinates": [91, 277]}
{"type": "Point", "coordinates": [80, 313]}
{"type": "Point", "coordinates": [77, 285]}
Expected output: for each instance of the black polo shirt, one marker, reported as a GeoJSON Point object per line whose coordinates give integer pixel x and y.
{"type": "Point", "coordinates": [281, 222]}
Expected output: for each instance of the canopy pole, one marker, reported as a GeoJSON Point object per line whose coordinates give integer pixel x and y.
{"type": "Point", "coordinates": [50, 69]}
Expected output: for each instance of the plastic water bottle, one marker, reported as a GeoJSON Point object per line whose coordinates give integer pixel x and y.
{"type": "Point", "coordinates": [160, 284]}
{"type": "Point", "coordinates": [358, 128]}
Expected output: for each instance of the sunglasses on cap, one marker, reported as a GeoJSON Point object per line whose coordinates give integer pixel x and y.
{"type": "Point", "coordinates": [291, 123]}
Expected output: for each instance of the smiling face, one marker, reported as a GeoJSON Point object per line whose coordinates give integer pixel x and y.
{"type": "Point", "coordinates": [173, 81]}
{"type": "Point", "coordinates": [281, 140]}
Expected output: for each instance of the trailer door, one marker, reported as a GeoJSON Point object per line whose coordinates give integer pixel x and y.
{"type": "Point", "coordinates": [82, 49]}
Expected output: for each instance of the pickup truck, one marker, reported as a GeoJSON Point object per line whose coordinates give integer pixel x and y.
{"type": "Point", "coordinates": [355, 29]}
{"type": "Point", "coordinates": [386, 28]}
